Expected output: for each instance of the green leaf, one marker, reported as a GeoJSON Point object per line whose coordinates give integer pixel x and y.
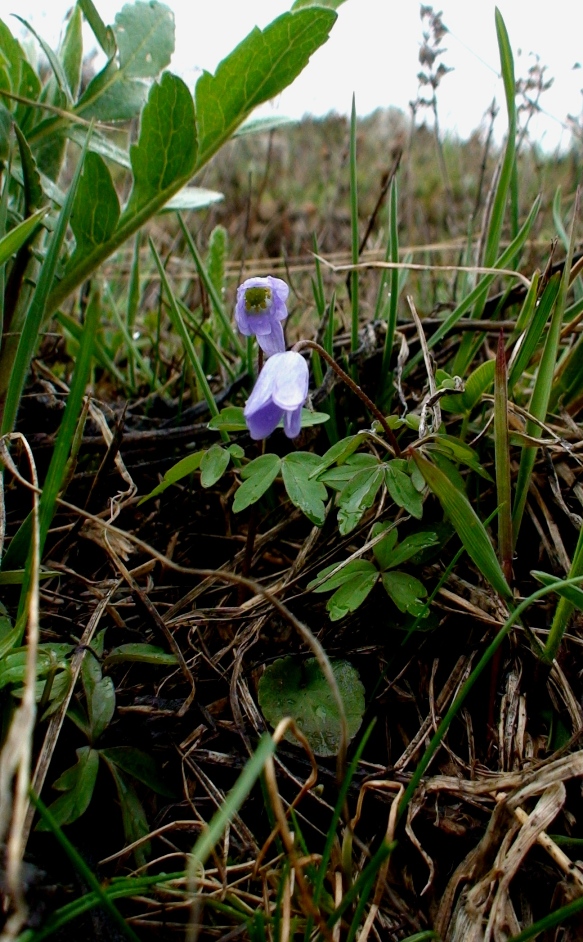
{"type": "Point", "coordinates": [458, 451]}
{"type": "Point", "coordinates": [384, 550]}
{"type": "Point", "coordinates": [468, 526]}
{"type": "Point", "coordinates": [339, 452]}
{"type": "Point", "coordinates": [33, 191]}
{"type": "Point", "coordinates": [100, 695]}
{"type": "Point", "coordinates": [338, 478]}
{"type": "Point", "coordinates": [257, 70]}
{"type": "Point", "coordinates": [214, 463]}
{"type": "Point", "coordinates": [166, 148]}
{"type": "Point", "coordinates": [477, 383]}
{"type": "Point", "coordinates": [350, 596]}
{"type": "Point", "coordinates": [140, 654]}
{"type": "Point", "coordinates": [20, 234]}
{"type": "Point", "coordinates": [358, 496]}
{"type": "Point", "coordinates": [258, 476]}
{"type": "Point", "coordinates": [411, 546]}
{"type": "Point", "coordinates": [95, 210]}
{"type": "Point", "coordinates": [403, 491]}
{"type": "Point", "coordinates": [144, 33]}
{"type": "Point", "coordinates": [78, 783]}
{"type": "Point", "coordinates": [354, 568]}
{"type": "Point", "coordinates": [139, 765]}
{"type": "Point", "coordinates": [405, 591]}
{"type": "Point", "coordinates": [307, 494]}
{"type": "Point", "coordinates": [309, 418]}
{"type": "Point", "coordinates": [103, 34]}
{"type": "Point", "coordinates": [180, 470]}
{"type": "Point", "coordinates": [71, 52]}
{"type": "Point", "coordinates": [288, 688]}
{"type": "Point", "coordinates": [135, 823]}
{"type": "Point", "coordinates": [571, 593]}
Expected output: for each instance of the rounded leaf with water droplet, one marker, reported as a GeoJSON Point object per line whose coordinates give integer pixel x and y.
{"type": "Point", "coordinates": [290, 687]}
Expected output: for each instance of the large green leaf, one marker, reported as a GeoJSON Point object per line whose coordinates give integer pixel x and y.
{"type": "Point", "coordinates": [258, 69]}
{"type": "Point", "coordinates": [144, 33]}
{"type": "Point", "coordinates": [96, 208]}
{"type": "Point", "coordinates": [166, 149]}
{"type": "Point", "coordinates": [468, 525]}
{"type": "Point", "coordinates": [300, 690]}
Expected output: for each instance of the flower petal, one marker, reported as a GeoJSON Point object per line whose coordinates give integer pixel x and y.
{"type": "Point", "coordinates": [274, 341]}
{"type": "Point", "coordinates": [263, 421]}
{"type": "Point", "coordinates": [291, 380]}
{"type": "Point", "coordinates": [292, 422]}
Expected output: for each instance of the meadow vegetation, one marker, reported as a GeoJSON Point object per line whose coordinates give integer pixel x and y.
{"type": "Point", "coordinates": [315, 685]}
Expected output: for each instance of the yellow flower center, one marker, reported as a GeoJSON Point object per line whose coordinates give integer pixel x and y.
{"type": "Point", "coordinates": [257, 300]}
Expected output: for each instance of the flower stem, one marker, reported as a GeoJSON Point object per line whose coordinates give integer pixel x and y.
{"type": "Point", "coordinates": [312, 345]}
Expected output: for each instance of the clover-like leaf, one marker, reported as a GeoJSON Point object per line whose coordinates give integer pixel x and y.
{"type": "Point", "coordinates": [403, 491]}
{"type": "Point", "coordinates": [307, 494]}
{"type": "Point", "coordinates": [259, 475]}
{"type": "Point", "coordinates": [292, 688]}
{"type": "Point", "coordinates": [214, 463]}
{"type": "Point", "coordinates": [358, 496]}
{"type": "Point", "coordinates": [406, 591]}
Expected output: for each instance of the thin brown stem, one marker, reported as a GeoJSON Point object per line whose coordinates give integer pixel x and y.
{"type": "Point", "coordinates": [312, 345]}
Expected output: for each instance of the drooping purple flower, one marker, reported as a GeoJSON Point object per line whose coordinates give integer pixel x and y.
{"type": "Point", "coordinates": [260, 309]}
{"type": "Point", "coordinates": [280, 392]}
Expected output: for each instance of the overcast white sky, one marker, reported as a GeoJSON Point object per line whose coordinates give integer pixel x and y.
{"type": "Point", "coordinates": [373, 52]}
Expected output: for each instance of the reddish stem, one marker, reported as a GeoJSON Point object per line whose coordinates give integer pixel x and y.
{"type": "Point", "coordinates": [312, 345]}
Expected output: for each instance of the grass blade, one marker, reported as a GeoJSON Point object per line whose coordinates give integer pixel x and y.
{"type": "Point", "coordinates": [502, 461]}
{"type": "Point", "coordinates": [544, 384]}
{"type": "Point", "coordinates": [354, 231]}
{"type": "Point", "coordinates": [478, 295]}
{"type": "Point", "coordinates": [468, 525]}
{"type": "Point", "coordinates": [211, 290]}
{"type": "Point", "coordinates": [18, 369]}
{"type": "Point", "coordinates": [180, 328]}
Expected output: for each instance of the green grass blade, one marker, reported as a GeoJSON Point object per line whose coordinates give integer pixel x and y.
{"type": "Point", "coordinates": [539, 316]}
{"type": "Point", "coordinates": [18, 370]}
{"type": "Point", "coordinates": [133, 303]}
{"type": "Point", "coordinates": [479, 293]}
{"type": "Point", "coordinates": [469, 527]}
{"type": "Point", "coordinates": [180, 328]}
{"type": "Point", "coordinates": [466, 350]}
{"type": "Point", "coordinates": [212, 291]}
{"type": "Point", "coordinates": [565, 606]}
{"type": "Point", "coordinates": [548, 922]}
{"type": "Point", "coordinates": [466, 688]}
{"type": "Point", "coordinates": [354, 232]}
{"type": "Point", "coordinates": [502, 462]}
{"type": "Point", "coordinates": [11, 242]}
{"type": "Point", "coordinates": [392, 256]}
{"type": "Point", "coordinates": [545, 384]}
{"type": "Point", "coordinates": [233, 801]}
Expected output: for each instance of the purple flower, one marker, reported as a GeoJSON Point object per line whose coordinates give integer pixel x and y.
{"type": "Point", "coordinates": [260, 309]}
{"type": "Point", "coordinates": [280, 391]}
